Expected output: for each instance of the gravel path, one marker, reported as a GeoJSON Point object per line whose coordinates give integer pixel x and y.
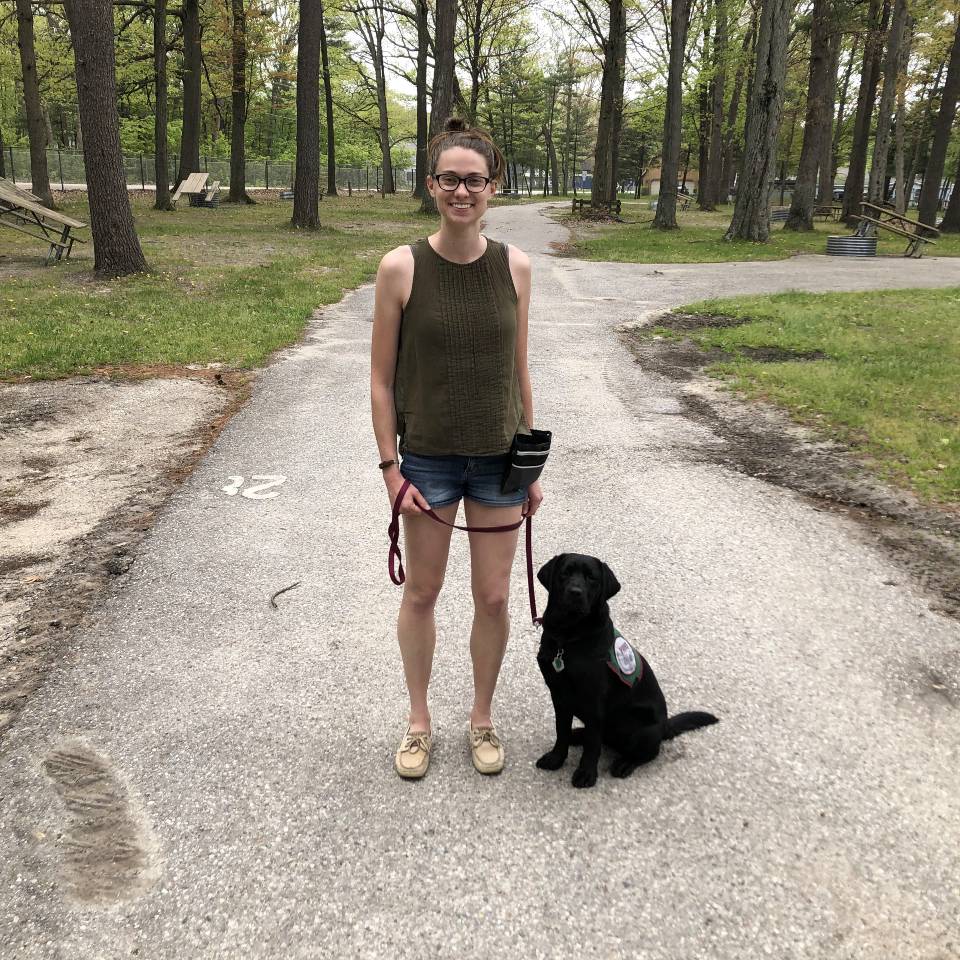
{"type": "Point", "coordinates": [210, 777]}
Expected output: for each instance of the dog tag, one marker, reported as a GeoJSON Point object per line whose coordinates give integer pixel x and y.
{"type": "Point", "coordinates": [558, 661]}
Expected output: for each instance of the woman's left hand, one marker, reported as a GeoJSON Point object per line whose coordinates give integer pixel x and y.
{"type": "Point", "coordinates": [534, 499]}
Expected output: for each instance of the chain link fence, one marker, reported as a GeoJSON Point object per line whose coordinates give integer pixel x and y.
{"type": "Point", "coordinates": [66, 171]}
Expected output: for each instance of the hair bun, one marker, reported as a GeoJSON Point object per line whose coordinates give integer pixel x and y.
{"type": "Point", "coordinates": [455, 125]}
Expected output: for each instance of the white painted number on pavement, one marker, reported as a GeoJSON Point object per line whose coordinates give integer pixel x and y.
{"type": "Point", "coordinates": [257, 491]}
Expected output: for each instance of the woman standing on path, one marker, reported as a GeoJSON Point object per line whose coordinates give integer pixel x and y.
{"type": "Point", "coordinates": [449, 376]}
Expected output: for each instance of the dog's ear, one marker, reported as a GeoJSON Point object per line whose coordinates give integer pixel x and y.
{"type": "Point", "coordinates": [609, 583]}
{"type": "Point", "coordinates": [547, 572]}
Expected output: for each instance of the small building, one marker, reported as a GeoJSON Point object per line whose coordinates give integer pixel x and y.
{"type": "Point", "coordinates": [652, 177]}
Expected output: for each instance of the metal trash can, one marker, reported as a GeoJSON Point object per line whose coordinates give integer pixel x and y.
{"type": "Point", "coordinates": [851, 246]}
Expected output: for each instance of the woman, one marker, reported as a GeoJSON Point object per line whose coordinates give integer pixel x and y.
{"type": "Point", "coordinates": [449, 378]}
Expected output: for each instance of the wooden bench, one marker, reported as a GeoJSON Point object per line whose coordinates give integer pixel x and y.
{"type": "Point", "coordinates": [610, 207]}
{"type": "Point", "coordinates": [886, 218]}
{"type": "Point", "coordinates": [683, 202]}
{"type": "Point", "coordinates": [24, 211]}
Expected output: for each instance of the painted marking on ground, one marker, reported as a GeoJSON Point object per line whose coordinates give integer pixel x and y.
{"type": "Point", "coordinates": [257, 491]}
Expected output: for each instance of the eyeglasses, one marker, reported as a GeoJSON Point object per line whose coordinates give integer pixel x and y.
{"type": "Point", "coordinates": [450, 182]}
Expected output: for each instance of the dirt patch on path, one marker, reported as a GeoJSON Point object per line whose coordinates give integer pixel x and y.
{"type": "Point", "coordinates": [84, 465]}
{"type": "Point", "coordinates": [761, 441]}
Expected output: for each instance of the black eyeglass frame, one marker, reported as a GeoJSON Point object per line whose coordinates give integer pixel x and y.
{"type": "Point", "coordinates": [473, 176]}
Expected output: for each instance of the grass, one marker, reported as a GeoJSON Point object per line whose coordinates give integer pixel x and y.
{"type": "Point", "coordinates": [229, 285]}
{"type": "Point", "coordinates": [888, 384]}
{"type": "Point", "coordinates": [700, 239]}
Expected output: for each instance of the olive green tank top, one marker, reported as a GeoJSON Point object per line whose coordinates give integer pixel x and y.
{"type": "Point", "coordinates": [456, 389]}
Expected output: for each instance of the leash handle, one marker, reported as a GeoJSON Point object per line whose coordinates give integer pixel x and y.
{"type": "Point", "coordinates": [395, 559]}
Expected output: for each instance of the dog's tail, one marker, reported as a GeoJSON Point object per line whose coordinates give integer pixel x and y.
{"type": "Point", "coordinates": [684, 722]}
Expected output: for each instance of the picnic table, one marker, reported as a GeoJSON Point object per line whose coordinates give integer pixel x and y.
{"type": "Point", "coordinates": [828, 211]}
{"type": "Point", "coordinates": [886, 218]}
{"type": "Point", "coordinates": [24, 211]}
{"type": "Point", "coordinates": [197, 191]}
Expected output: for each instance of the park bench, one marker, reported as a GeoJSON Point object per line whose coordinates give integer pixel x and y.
{"type": "Point", "coordinates": [580, 202]}
{"type": "Point", "coordinates": [197, 192]}
{"type": "Point", "coordinates": [779, 214]}
{"type": "Point", "coordinates": [886, 218]}
{"type": "Point", "coordinates": [23, 211]}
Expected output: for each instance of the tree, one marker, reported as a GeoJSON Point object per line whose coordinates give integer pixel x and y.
{"type": "Point", "coordinates": [328, 97]}
{"type": "Point", "coordinates": [751, 215]}
{"type": "Point", "coordinates": [116, 247]}
{"type": "Point", "coordinates": [423, 48]}
{"type": "Point", "coordinates": [819, 118]}
{"type": "Point", "coordinates": [930, 191]}
{"type": "Point", "coordinates": [869, 80]}
{"type": "Point", "coordinates": [709, 190]}
{"type": "Point", "coordinates": [442, 99]}
{"type": "Point", "coordinates": [161, 165]}
{"type": "Point", "coordinates": [371, 21]}
{"type": "Point", "coordinates": [238, 119]}
{"type": "Point", "coordinates": [36, 127]}
{"type": "Point", "coordinates": [891, 69]}
{"type": "Point", "coordinates": [951, 217]}
{"type": "Point", "coordinates": [306, 184]}
{"type": "Point", "coordinates": [666, 215]}
{"type": "Point", "coordinates": [191, 76]}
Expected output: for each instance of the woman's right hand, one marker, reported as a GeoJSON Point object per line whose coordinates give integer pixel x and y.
{"type": "Point", "coordinates": [413, 501]}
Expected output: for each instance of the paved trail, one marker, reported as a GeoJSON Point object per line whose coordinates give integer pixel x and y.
{"type": "Point", "coordinates": [235, 761]}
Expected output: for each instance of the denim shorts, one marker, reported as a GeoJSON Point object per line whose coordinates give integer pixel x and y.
{"type": "Point", "coordinates": [447, 479]}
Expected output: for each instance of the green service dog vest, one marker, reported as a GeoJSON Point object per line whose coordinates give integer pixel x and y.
{"type": "Point", "coordinates": [623, 660]}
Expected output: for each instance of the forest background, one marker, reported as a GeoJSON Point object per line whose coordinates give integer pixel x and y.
{"type": "Point", "coordinates": [810, 95]}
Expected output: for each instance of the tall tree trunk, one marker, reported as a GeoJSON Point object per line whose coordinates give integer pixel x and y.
{"type": "Point", "coordinates": [930, 192]}
{"type": "Point", "coordinates": [828, 161]}
{"type": "Point", "coordinates": [730, 127]}
{"type": "Point", "coordinates": [922, 130]}
{"type": "Point", "coordinates": [951, 216]}
{"type": "Point", "coordinates": [328, 96]}
{"type": "Point", "coordinates": [611, 108]}
{"type": "Point", "coordinates": [710, 189]}
{"type": "Point", "coordinates": [387, 183]}
{"type": "Point", "coordinates": [36, 127]}
{"type": "Point", "coordinates": [116, 248]}
{"type": "Point", "coordinates": [869, 79]}
{"type": "Point", "coordinates": [238, 120]}
{"type": "Point", "coordinates": [751, 215]}
{"type": "Point", "coordinates": [891, 70]}
{"type": "Point", "coordinates": [666, 214]}
{"type": "Point", "coordinates": [816, 127]}
{"type": "Point", "coordinates": [704, 106]}
{"type": "Point", "coordinates": [192, 75]}
{"type": "Point", "coordinates": [306, 183]}
{"type": "Point", "coordinates": [423, 48]}
{"type": "Point", "coordinates": [3, 159]}
{"type": "Point", "coordinates": [160, 161]}
{"type": "Point", "coordinates": [902, 200]}
{"type": "Point", "coordinates": [442, 100]}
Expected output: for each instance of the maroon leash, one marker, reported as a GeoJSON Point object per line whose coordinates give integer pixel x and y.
{"type": "Point", "coordinates": [398, 576]}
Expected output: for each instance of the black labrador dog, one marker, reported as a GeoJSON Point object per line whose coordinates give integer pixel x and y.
{"type": "Point", "coordinates": [595, 675]}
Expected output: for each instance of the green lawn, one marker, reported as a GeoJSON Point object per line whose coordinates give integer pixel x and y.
{"type": "Point", "coordinates": [700, 239]}
{"type": "Point", "coordinates": [230, 285]}
{"type": "Point", "coordinates": [889, 384]}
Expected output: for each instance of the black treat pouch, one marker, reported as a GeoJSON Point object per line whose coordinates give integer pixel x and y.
{"type": "Point", "coordinates": [528, 454]}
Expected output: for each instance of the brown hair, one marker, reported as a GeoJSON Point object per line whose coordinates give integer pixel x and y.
{"type": "Point", "coordinates": [456, 133]}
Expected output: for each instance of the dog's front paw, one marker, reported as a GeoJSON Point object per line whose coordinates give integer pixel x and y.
{"type": "Point", "coordinates": [552, 760]}
{"type": "Point", "coordinates": [584, 778]}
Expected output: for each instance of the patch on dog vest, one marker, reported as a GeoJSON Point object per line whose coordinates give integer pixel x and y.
{"type": "Point", "coordinates": [623, 660]}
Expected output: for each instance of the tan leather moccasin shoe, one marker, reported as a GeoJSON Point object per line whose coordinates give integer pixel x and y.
{"type": "Point", "coordinates": [413, 754]}
{"type": "Point", "coordinates": [486, 749]}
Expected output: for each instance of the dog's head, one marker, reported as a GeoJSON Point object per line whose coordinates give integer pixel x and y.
{"type": "Point", "coordinates": [577, 584]}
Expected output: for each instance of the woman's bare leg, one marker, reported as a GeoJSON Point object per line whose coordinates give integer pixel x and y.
{"type": "Point", "coordinates": [426, 547]}
{"type": "Point", "coordinates": [491, 562]}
